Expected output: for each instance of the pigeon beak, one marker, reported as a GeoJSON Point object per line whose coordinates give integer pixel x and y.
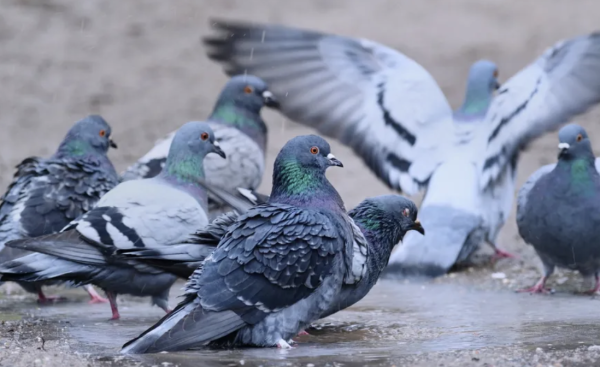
{"type": "Point", "coordinates": [270, 100]}
{"type": "Point", "coordinates": [496, 85]}
{"type": "Point", "coordinates": [416, 226]}
{"type": "Point", "coordinates": [333, 161]}
{"type": "Point", "coordinates": [563, 147]}
{"type": "Point", "coordinates": [112, 143]}
{"type": "Point", "coordinates": [217, 149]}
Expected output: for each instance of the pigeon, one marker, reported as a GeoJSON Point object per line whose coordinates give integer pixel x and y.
{"type": "Point", "coordinates": [239, 128]}
{"type": "Point", "coordinates": [275, 270]}
{"type": "Point", "coordinates": [558, 210]}
{"type": "Point", "coordinates": [382, 220]}
{"type": "Point", "coordinates": [46, 194]}
{"type": "Point", "coordinates": [351, 89]}
{"type": "Point", "coordinates": [143, 213]}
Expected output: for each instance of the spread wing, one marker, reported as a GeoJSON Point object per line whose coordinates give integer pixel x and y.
{"type": "Point", "coordinates": [381, 103]}
{"type": "Point", "coordinates": [562, 83]}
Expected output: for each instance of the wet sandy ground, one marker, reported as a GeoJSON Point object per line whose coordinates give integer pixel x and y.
{"type": "Point", "coordinates": [140, 65]}
{"type": "Point", "coordinates": [446, 322]}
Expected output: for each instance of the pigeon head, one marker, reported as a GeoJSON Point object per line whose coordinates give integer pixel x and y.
{"type": "Point", "coordinates": [191, 143]}
{"type": "Point", "coordinates": [88, 137]}
{"type": "Point", "coordinates": [574, 143]}
{"type": "Point", "coordinates": [239, 105]}
{"type": "Point", "coordinates": [385, 219]}
{"type": "Point", "coordinates": [481, 85]}
{"type": "Point", "coordinates": [246, 91]}
{"type": "Point", "coordinates": [299, 170]}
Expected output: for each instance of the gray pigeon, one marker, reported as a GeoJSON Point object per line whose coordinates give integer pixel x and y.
{"type": "Point", "coordinates": [141, 213]}
{"type": "Point", "coordinates": [382, 220]}
{"type": "Point", "coordinates": [466, 159]}
{"type": "Point", "coordinates": [278, 268]}
{"type": "Point", "coordinates": [239, 128]}
{"type": "Point", "coordinates": [558, 210]}
{"type": "Point", "coordinates": [46, 194]}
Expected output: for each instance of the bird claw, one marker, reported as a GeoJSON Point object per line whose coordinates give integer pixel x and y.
{"type": "Point", "coordinates": [500, 254]}
{"type": "Point", "coordinates": [97, 299]}
{"type": "Point", "coordinates": [282, 344]}
{"type": "Point", "coordinates": [48, 300]}
{"type": "Point", "coordinates": [536, 289]}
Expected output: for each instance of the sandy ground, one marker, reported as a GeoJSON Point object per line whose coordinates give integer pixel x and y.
{"type": "Point", "coordinates": [141, 66]}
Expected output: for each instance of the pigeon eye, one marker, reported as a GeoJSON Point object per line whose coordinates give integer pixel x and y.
{"type": "Point", "coordinates": [496, 73]}
{"type": "Point", "coordinates": [248, 89]}
{"type": "Point", "coordinates": [579, 137]}
{"type": "Point", "coordinates": [406, 212]}
{"type": "Point", "coordinates": [204, 136]}
{"type": "Point", "coordinates": [314, 150]}
{"type": "Point", "coordinates": [102, 133]}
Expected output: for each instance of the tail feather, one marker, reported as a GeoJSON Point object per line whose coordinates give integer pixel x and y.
{"type": "Point", "coordinates": [180, 260]}
{"type": "Point", "coordinates": [38, 267]}
{"type": "Point", "coordinates": [67, 245]}
{"type": "Point", "coordinates": [188, 326]}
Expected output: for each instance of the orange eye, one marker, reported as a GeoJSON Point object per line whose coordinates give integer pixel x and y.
{"type": "Point", "coordinates": [406, 212]}
{"type": "Point", "coordinates": [248, 89]}
{"type": "Point", "coordinates": [495, 73]}
{"type": "Point", "coordinates": [579, 137]}
{"type": "Point", "coordinates": [102, 133]}
{"type": "Point", "coordinates": [204, 136]}
{"type": "Point", "coordinates": [314, 150]}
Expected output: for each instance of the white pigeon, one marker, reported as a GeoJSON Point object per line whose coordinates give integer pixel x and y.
{"type": "Point", "coordinates": [391, 111]}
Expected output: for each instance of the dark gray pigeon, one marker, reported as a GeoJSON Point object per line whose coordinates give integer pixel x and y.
{"type": "Point", "coordinates": [46, 194]}
{"type": "Point", "coordinates": [558, 210]}
{"type": "Point", "coordinates": [382, 220]}
{"type": "Point", "coordinates": [141, 213]}
{"type": "Point", "coordinates": [278, 268]}
{"type": "Point", "coordinates": [466, 159]}
{"type": "Point", "coordinates": [239, 128]}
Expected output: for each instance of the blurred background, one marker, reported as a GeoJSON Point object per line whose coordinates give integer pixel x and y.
{"type": "Point", "coordinates": [141, 65]}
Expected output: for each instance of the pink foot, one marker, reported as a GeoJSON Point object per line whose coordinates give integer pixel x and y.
{"type": "Point", "coordinates": [47, 300]}
{"type": "Point", "coordinates": [303, 332]}
{"type": "Point", "coordinates": [539, 287]}
{"type": "Point", "coordinates": [95, 300]}
{"type": "Point", "coordinates": [594, 290]}
{"type": "Point", "coordinates": [94, 296]}
{"type": "Point", "coordinates": [112, 298]}
{"type": "Point", "coordinates": [500, 254]}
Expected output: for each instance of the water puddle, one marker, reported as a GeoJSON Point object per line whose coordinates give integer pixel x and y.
{"type": "Point", "coordinates": [395, 320]}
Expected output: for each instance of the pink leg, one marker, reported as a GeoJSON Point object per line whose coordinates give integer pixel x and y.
{"type": "Point", "coordinates": [539, 287]}
{"type": "Point", "coordinates": [112, 298]}
{"type": "Point", "coordinates": [596, 287]}
{"type": "Point", "coordinates": [302, 332]}
{"type": "Point", "coordinates": [500, 254]}
{"type": "Point", "coordinates": [45, 300]}
{"type": "Point", "coordinates": [94, 296]}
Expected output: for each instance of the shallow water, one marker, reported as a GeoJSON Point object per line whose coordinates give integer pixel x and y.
{"type": "Point", "coordinates": [395, 320]}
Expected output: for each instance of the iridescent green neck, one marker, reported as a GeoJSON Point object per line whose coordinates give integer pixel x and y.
{"type": "Point", "coordinates": [232, 115]}
{"type": "Point", "coordinates": [582, 181]}
{"type": "Point", "coordinates": [477, 101]}
{"type": "Point", "coordinates": [295, 184]}
{"type": "Point", "coordinates": [581, 172]}
{"type": "Point", "coordinates": [185, 169]}
{"type": "Point", "coordinates": [75, 148]}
